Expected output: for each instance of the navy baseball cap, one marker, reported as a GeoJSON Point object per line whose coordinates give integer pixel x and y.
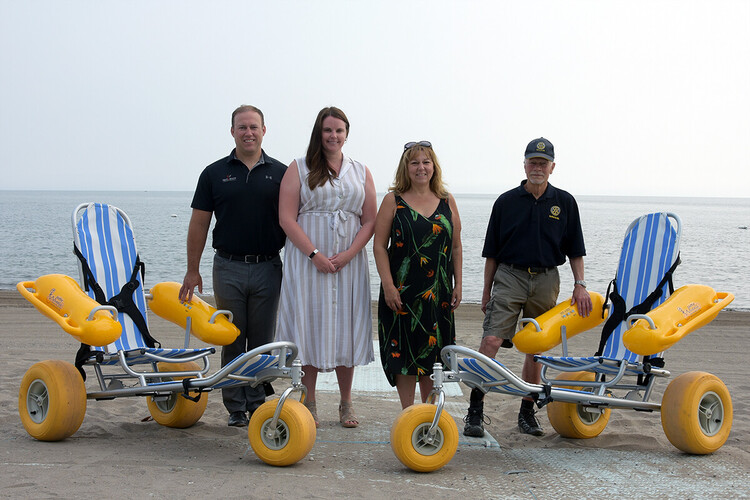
{"type": "Point", "coordinates": [540, 148]}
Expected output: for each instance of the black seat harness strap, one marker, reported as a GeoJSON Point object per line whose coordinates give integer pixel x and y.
{"type": "Point", "coordinates": [186, 391]}
{"type": "Point", "coordinates": [123, 302]}
{"type": "Point", "coordinates": [619, 314]}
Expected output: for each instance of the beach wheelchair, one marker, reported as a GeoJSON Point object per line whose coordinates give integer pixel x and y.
{"type": "Point", "coordinates": [111, 324]}
{"type": "Point", "coordinates": [641, 323]}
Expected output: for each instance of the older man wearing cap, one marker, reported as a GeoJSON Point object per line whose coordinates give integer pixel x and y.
{"type": "Point", "coordinates": [532, 229]}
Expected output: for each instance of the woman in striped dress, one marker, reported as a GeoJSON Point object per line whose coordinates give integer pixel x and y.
{"type": "Point", "coordinates": [327, 207]}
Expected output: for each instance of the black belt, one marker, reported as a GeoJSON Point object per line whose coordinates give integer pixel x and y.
{"type": "Point", "coordinates": [247, 259]}
{"type": "Point", "coordinates": [530, 269]}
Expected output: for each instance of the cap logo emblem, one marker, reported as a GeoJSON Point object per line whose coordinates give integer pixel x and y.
{"type": "Point", "coordinates": [555, 210]}
{"type": "Point", "coordinates": [540, 146]}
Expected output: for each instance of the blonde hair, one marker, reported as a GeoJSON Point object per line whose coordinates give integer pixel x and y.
{"type": "Point", "coordinates": [402, 182]}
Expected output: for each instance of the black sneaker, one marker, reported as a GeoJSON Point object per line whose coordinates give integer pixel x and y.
{"type": "Point", "coordinates": [528, 424]}
{"type": "Point", "coordinates": [238, 419]}
{"type": "Point", "coordinates": [474, 422]}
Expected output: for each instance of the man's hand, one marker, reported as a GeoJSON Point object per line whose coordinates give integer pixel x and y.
{"type": "Point", "coordinates": [583, 299]}
{"type": "Point", "coordinates": [191, 280]}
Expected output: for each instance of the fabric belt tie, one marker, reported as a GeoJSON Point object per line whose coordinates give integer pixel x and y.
{"type": "Point", "coordinates": [335, 219]}
{"type": "Point", "coordinates": [336, 225]}
{"type": "Point", "coordinates": [247, 259]}
{"type": "Point", "coordinates": [530, 269]}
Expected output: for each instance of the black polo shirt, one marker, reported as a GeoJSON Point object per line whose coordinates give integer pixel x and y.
{"type": "Point", "coordinates": [524, 231]}
{"type": "Point", "coordinates": [245, 204]}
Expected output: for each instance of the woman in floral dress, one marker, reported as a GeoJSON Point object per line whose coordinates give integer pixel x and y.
{"type": "Point", "coordinates": [417, 250]}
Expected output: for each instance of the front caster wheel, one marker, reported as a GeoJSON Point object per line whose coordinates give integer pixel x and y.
{"type": "Point", "coordinates": [412, 444]}
{"type": "Point", "coordinates": [289, 441]}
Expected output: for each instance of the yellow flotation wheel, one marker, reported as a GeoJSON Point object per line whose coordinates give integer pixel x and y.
{"type": "Point", "coordinates": [572, 420]}
{"type": "Point", "coordinates": [177, 411]}
{"type": "Point", "coordinates": [696, 413]}
{"type": "Point", "coordinates": [410, 440]}
{"type": "Point", "coordinates": [52, 400]}
{"type": "Point", "coordinates": [289, 441]}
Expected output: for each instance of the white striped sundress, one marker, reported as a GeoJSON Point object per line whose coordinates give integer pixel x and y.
{"type": "Point", "coordinates": [328, 316]}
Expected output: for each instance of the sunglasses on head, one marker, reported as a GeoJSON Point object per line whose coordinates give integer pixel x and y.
{"type": "Point", "coordinates": [424, 144]}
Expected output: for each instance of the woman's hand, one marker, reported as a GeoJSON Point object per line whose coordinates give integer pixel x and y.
{"type": "Point", "coordinates": [323, 264]}
{"type": "Point", "coordinates": [340, 260]}
{"type": "Point", "coordinates": [456, 298]}
{"type": "Point", "coordinates": [392, 297]}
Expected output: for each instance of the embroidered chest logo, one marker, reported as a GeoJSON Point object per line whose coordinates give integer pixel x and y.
{"type": "Point", "coordinates": [554, 212]}
{"type": "Point", "coordinates": [229, 178]}
{"type": "Point", "coordinates": [270, 178]}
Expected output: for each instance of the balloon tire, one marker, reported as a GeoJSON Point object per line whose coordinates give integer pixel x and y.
{"type": "Point", "coordinates": [52, 400]}
{"type": "Point", "coordinates": [177, 412]}
{"type": "Point", "coordinates": [571, 420]}
{"type": "Point", "coordinates": [407, 444]}
{"type": "Point", "coordinates": [294, 435]}
{"type": "Point", "coordinates": [690, 408]}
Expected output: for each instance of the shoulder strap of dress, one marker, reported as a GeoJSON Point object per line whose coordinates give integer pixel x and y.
{"type": "Point", "coordinates": [446, 207]}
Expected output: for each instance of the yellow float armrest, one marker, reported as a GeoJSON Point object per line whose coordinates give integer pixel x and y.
{"type": "Point", "coordinates": [61, 299]}
{"type": "Point", "coordinates": [206, 323]}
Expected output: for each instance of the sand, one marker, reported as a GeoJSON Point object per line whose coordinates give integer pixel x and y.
{"type": "Point", "coordinates": [119, 453]}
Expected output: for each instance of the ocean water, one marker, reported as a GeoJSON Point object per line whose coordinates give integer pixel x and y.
{"type": "Point", "coordinates": [37, 238]}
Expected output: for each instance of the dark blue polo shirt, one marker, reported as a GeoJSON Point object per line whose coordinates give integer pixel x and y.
{"type": "Point", "coordinates": [524, 231]}
{"type": "Point", "coordinates": [245, 204]}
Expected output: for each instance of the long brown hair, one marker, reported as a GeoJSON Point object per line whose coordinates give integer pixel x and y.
{"type": "Point", "coordinates": [402, 182]}
{"type": "Point", "coordinates": [320, 172]}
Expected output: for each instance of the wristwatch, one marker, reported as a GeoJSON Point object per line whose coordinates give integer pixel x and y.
{"type": "Point", "coordinates": [580, 282]}
{"type": "Point", "coordinates": [315, 252]}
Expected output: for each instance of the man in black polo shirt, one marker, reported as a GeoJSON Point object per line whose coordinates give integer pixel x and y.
{"type": "Point", "coordinates": [531, 230]}
{"type": "Point", "coordinates": [242, 190]}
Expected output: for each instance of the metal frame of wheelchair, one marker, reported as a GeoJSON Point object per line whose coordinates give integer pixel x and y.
{"type": "Point", "coordinates": [52, 396]}
{"type": "Point", "coordinates": [696, 409]}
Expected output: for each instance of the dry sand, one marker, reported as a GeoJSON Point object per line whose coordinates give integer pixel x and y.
{"type": "Point", "coordinates": [118, 453]}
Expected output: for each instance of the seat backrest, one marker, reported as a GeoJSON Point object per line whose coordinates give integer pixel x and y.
{"type": "Point", "coordinates": [103, 234]}
{"type": "Point", "coordinates": [650, 248]}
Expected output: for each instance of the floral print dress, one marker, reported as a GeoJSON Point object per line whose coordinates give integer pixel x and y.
{"type": "Point", "coordinates": [420, 255]}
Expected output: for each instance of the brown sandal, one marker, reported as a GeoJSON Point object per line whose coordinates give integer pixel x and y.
{"type": "Point", "coordinates": [312, 408]}
{"type": "Point", "coordinates": [346, 415]}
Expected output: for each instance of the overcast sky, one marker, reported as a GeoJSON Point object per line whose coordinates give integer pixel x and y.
{"type": "Point", "coordinates": [638, 97]}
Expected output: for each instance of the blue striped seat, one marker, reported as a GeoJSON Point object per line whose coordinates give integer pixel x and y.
{"type": "Point", "coordinates": [103, 235]}
{"type": "Point", "coordinates": [250, 368]}
{"type": "Point", "coordinates": [650, 249]}
{"type": "Point", "coordinates": [489, 376]}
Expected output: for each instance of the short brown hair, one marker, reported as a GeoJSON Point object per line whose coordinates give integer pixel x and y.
{"type": "Point", "coordinates": [247, 107]}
